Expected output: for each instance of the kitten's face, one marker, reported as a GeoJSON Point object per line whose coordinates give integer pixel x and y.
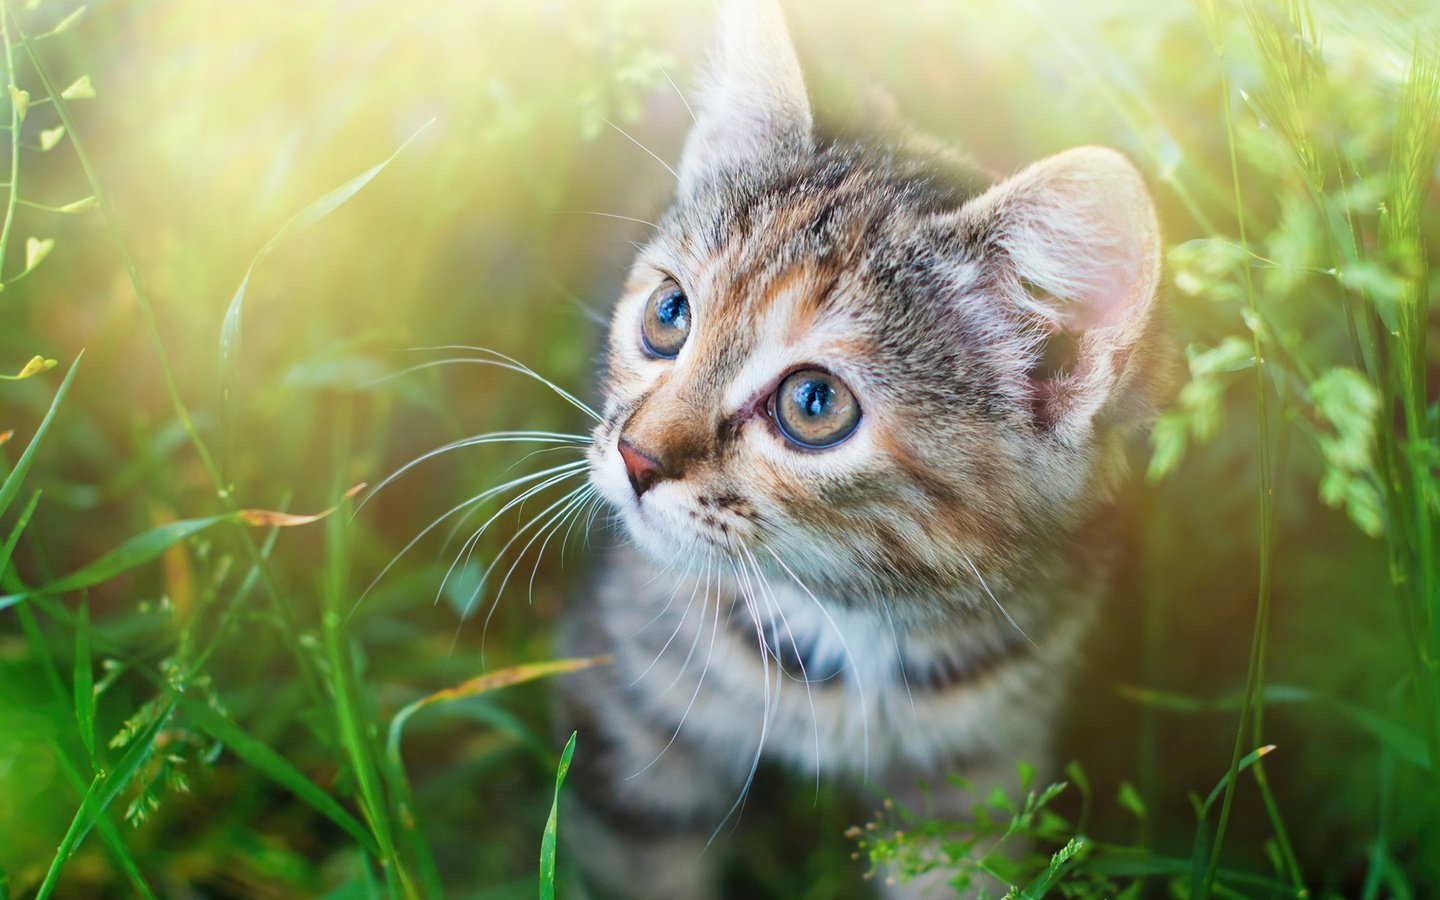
{"type": "Point", "coordinates": [824, 362]}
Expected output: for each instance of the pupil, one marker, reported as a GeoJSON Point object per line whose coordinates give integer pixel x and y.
{"type": "Point", "coordinates": [672, 309]}
{"type": "Point", "coordinates": [816, 397]}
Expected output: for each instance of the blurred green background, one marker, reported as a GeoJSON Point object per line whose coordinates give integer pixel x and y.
{"type": "Point", "coordinates": [208, 124]}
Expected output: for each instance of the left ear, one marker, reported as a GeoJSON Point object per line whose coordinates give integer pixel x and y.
{"type": "Point", "coordinates": [1080, 251]}
{"type": "Point", "coordinates": [754, 101]}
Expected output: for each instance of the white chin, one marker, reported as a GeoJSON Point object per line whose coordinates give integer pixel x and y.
{"type": "Point", "coordinates": [662, 534]}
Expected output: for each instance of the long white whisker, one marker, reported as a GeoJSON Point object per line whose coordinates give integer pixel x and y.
{"type": "Point", "coordinates": [642, 147]}
{"type": "Point", "coordinates": [500, 361]}
{"type": "Point", "coordinates": [565, 541]}
{"type": "Point", "coordinates": [971, 563]}
{"type": "Point", "coordinates": [859, 676]}
{"type": "Point", "coordinates": [495, 437]}
{"type": "Point", "coordinates": [771, 704]}
{"type": "Point", "coordinates": [576, 466]}
{"type": "Point", "coordinates": [467, 550]}
{"type": "Point", "coordinates": [685, 665]}
{"type": "Point", "coordinates": [587, 492]}
{"type": "Point", "coordinates": [681, 94]}
{"type": "Point", "coordinates": [593, 212]}
{"type": "Point", "coordinates": [565, 499]}
{"type": "Point", "coordinates": [680, 625]}
{"type": "Point", "coordinates": [700, 683]}
{"type": "Point", "coordinates": [804, 675]}
{"type": "Point", "coordinates": [899, 654]}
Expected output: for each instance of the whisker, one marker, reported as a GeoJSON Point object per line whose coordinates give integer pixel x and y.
{"type": "Point", "coordinates": [567, 498]}
{"type": "Point", "coordinates": [700, 683]}
{"type": "Point", "coordinates": [800, 657]}
{"type": "Point", "coordinates": [501, 361]}
{"type": "Point", "coordinates": [642, 147]}
{"type": "Point", "coordinates": [585, 497]}
{"type": "Point", "coordinates": [576, 441]}
{"type": "Point", "coordinates": [588, 311]}
{"type": "Point", "coordinates": [771, 704]}
{"type": "Point", "coordinates": [467, 550]}
{"type": "Point", "coordinates": [899, 654]}
{"type": "Point", "coordinates": [565, 541]}
{"type": "Point", "coordinates": [594, 212]}
{"type": "Point", "coordinates": [971, 563]}
{"type": "Point", "coordinates": [699, 632]}
{"type": "Point", "coordinates": [576, 466]}
{"type": "Point", "coordinates": [844, 645]}
{"type": "Point", "coordinates": [681, 94]}
{"type": "Point", "coordinates": [684, 615]}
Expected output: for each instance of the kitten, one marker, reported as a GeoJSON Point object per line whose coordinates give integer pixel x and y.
{"type": "Point", "coordinates": [868, 517]}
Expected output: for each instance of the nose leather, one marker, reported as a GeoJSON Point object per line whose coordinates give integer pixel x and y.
{"type": "Point", "coordinates": [643, 469]}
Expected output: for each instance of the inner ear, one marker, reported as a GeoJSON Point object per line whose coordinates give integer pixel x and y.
{"type": "Point", "coordinates": [1078, 260]}
{"type": "Point", "coordinates": [1059, 350]}
{"type": "Point", "coordinates": [1058, 357]}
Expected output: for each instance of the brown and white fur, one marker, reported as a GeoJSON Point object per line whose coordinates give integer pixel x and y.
{"type": "Point", "coordinates": [908, 603]}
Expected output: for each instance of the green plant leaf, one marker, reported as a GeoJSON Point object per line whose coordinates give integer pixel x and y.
{"type": "Point", "coordinates": [79, 89]}
{"type": "Point", "coordinates": [65, 24]}
{"type": "Point", "coordinates": [11, 487]}
{"type": "Point", "coordinates": [35, 366]}
{"type": "Point", "coordinates": [20, 100]}
{"type": "Point", "coordinates": [1130, 799]}
{"type": "Point", "coordinates": [481, 685]}
{"type": "Point", "coordinates": [130, 555]}
{"type": "Point", "coordinates": [14, 538]}
{"type": "Point", "coordinates": [547, 841]}
{"type": "Point", "coordinates": [36, 250]}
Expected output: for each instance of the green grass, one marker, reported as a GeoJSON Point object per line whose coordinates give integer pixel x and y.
{"type": "Point", "coordinates": [204, 688]}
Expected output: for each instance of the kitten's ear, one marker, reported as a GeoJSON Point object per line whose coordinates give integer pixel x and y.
{"type": "Point", "coordinates": [753, 101]}
{"type": "Point", "coordinates": [1080, 250]}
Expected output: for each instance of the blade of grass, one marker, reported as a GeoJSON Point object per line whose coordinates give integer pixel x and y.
{"type": "Point", "coordinates": [8, 548]}
{"type": "Point", "coordinates": [1254, 677]}
{"type": "Point", "coordinates": [230, 330]}
{"type": "Point", "coordinates": [16, 117]}
{"type": "Point", "coordinates": [1396, 735]}
{"type": "Point", "coordinates": [11, 486]}
{"type": "Point", "coordinates": [103, 790]}
{"type": "Point", "coordinates": [148, 545]}
{"type": "Point", "coordinates": [339, 655]}
{"type": "Point", "coordinates": [85, 683]}
{"type": "Point", "coordinates": [474, 687]}
{"type": "Point", "coordinates": [108, 832]}
{"type": "Point", "coordinates": [547, 841]}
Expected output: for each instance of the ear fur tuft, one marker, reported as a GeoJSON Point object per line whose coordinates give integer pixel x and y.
{"type": "Point", "coordinates": [754, 100]}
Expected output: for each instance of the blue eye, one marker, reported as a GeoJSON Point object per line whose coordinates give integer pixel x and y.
{"type": "Point", "coordinates": [814, 410]}
{"type": "Point", "coordinates": [665, 322]}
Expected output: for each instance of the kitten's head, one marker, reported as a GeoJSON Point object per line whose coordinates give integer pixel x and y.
{"type": "Point", "coordinates": [840, 362]}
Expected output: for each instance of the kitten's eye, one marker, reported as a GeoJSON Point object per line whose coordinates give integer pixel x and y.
{"type": "Point", "coordinates": [813, 409]}
{"type": "Point", "coordinates": [665, 323]}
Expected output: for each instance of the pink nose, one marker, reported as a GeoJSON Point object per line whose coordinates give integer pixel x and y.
{"type": "Point", "coordinates": [642, 468]}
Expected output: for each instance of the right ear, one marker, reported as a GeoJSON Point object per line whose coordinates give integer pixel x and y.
{"type": "Point", "coordinates": [753, 101]}
{"type": "Point", "coordinates": [1079, 229]}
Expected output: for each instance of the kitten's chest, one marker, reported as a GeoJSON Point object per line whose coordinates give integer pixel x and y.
{"type": "Point", "coordinates": [762, 668]}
